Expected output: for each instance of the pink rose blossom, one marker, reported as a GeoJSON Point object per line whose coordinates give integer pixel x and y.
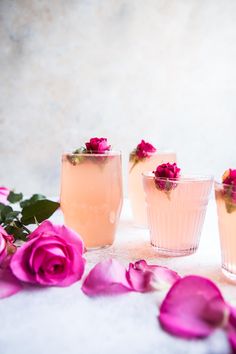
{"type": "Point", "coordinates": [4, 192]}
{"type": "Point", "coordinates": [97, 145]}
{"type": "Point", "coordinates": [52, 256]}
{"type": "Point", "coordinates": [109, 277]}
{"type": "Point", "coordinates": [193, 308]}
{"type": "Point", "coordinates": [166, 173]}
{"type": "Point", "coordinates": [229, 178]}
{"type": "Point", "coordinates": [144, 149]}
{"type": "Point", "coordinates": [6, 245]}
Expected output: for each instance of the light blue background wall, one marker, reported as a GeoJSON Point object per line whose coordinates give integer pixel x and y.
{"type": "Point", "coordinates": [164, 70]}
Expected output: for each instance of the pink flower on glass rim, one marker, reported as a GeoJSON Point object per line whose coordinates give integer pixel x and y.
{"type": "Point", "coordinates": [165, 174]}
{"type": "Point", "coordinates": [52, 256]}
{"type": "Point", "coordinates": [144, 149]}
{"type": "Point", "coordinates": [229, 178]}
{"type": "Point", "coordinates": [109, 277]}
{"type": "Point", "coordinates": [97, 145]}
{"type": "Point", "coordinates": [7, 248]}
{"type": "Point", "coordinates": [4, 192]}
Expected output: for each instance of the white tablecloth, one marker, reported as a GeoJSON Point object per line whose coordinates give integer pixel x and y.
{"type": "Point", "coordinates": [64, 320]}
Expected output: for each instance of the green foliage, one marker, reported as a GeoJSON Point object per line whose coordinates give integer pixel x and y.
{"type": "Point", "coordinates": [29, 211]}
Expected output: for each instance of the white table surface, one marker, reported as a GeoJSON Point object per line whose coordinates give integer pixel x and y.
{"type": "Point", "coordinates": [64, 320]}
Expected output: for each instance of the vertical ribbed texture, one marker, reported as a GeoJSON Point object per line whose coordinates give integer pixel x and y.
{"type": "Point", "coordinates": [227, 229]}
{"type": "Point", "coordinates": [175, 222]}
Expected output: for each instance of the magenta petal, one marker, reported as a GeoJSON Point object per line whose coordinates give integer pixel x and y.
{"type": "Point", "coordinates": [9, 284]}
{"type": "Point", "coordinates": [144, 277]}
{"type": "Point", "coordinates": [193, 308]}
{"type": "Point", "coordinates": [232, 329]}
{"type": "Point", "coordinates": [106, 278]}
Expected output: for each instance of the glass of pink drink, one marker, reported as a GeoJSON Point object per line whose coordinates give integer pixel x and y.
{"type": "Point", "coordinates": [91, 195]}
{"type": "Point", "coordinates": [136, 192]}
{"type": "Point", "coordinates": [176, 216]}
{"type": "Point", "coordinates": [226, 209]}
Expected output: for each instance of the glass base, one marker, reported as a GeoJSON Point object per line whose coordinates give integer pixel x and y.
{"type": "Point", "coordinates": [231, 276]}
{"type": "Point", "coordinates": [88, 249]}
{"type": "Point", "coordinates": [174, 253]}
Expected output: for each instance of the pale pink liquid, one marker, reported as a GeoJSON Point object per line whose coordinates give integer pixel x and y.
{"type": "Point", "coordinates": [91, 197]}
{"type": "Point", "coordinates": [227, 230]}
{"type": "Point", "coordinates": [176, 219]}
{"type": "Point", "coordinates": [136, 192]}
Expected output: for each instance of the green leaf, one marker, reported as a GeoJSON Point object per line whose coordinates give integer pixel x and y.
{"type": "Point", "coordinates": [14, 197]}
{"type": "Point", "coordinates": [18, 232]}
{"type": "Point", "coordinates": [40, 211]}
{"type": "Point", "coordinates": [11, 216]}
{"type": "Point", "coordinates": [32, 200]}
{"type": "Point", "coordinates": [4, 211]}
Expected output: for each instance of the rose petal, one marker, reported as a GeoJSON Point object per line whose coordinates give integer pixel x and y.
{"type": "Point", "coordinates": [4, 192]}
{"type": "Point", "coordinates": [144, 277]}
{"type": "Point", "coordinates": [193, 308]}
{"type": "Point", "coordinates": [69, 235]}
{"type": "Point", "coordinates": [9, 284]}
{"type": "Point", "coordinates": [232, 329]}
{"type": "Point", "coordinates": [106, 278]}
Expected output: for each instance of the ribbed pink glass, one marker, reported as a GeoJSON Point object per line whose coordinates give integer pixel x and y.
{"type": "Point", "coordinates": [176, 218]}
{"type": "Point", "coordinates": [226, 209]}
{"type": "Point", "coordinates": [136, 193]}
{"type": "Point", "coordinates": [91, 196]}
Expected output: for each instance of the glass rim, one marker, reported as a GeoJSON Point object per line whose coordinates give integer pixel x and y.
{"type": "Point", "coordinates": [182, 179]}
{"type": "Point", "coordinates": [158, 152]}
{"type": "Point", "coordinates": [105, 153]}
{"type": "Point", "coordinates": [217, 183]}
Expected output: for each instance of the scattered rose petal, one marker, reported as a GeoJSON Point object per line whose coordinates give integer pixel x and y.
{"type": "Point", "coordinates": [144, 277]}
{"type": "Point", "coordinates": [110, 277]}
{"type": "Point", "coordinates": [4, 192]}
{"type": "Point", "coordinates": [193, 308]}
{"type": "Point", "coordinates": [232, 328]}
{"type": "Point", "coordinates": [106, 278]}
{"type": "Point", "coordinates": [9, 284]}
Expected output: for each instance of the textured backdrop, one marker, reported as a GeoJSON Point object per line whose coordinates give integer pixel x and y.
{"type": "Point", "coordinates": [159, 69]}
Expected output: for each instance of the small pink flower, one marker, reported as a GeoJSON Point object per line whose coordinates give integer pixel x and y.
{"type": "Point", "coordinates": [193, 308]}
{"type": "Point", "coordinates": [165, 174]}
{"type": "Point", "coordinates": [109, 277]}
{"type": "Point", "coordinates": [4, 192]}
{"type": "Point", "coordinates": [97, 145]}
{"type": "Point", "coordinates": [229, 179]}
{"type": "Point", "coordinates": [52, 256]}
{"type": "Point", "coordinates": [144, 149]}
{"type": "Point", "coordinates": [7, 248]}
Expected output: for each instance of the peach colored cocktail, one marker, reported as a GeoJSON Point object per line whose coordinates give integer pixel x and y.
{"type": "Point", "coordinates": [176, 215]}
{"type": "Point", "coordinates": [226, 209]}
{"type": "Point", "coordinates": [136, 192]}
{"type": "Point", "coordinates": [91, 195]}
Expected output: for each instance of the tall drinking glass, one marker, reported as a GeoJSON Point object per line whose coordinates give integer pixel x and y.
{"type": "Point", "coordinates": [91, 195]}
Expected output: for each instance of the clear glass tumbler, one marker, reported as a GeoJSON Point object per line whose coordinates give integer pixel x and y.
{"type": "Point", "coordinates": [91, 195]}
{"type": "Point", "coordinates": [176, 214]}
{"type": "Point", "coordinates": [136, 193]}
{"type": "Point", "coordinates": [226, 210]}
